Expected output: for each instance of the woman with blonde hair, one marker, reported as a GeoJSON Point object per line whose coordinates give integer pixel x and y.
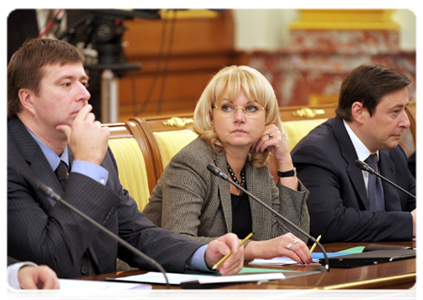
{"type": "Point", "coordinates": [237, 120]}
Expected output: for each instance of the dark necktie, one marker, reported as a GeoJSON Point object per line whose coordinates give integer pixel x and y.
{"type": "Point", "coordinates": [62, 173]}
{"type": "Point", "coordinates": [376, 198]}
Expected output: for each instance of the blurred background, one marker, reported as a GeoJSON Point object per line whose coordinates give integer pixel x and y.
{"type": "Point", "coordinates": [157, 62]}
{"type": "Point", "coordinates": [305, 54]}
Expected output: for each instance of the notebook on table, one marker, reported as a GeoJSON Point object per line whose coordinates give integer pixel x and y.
{"type": "Point", "coordinates": [370, 258]}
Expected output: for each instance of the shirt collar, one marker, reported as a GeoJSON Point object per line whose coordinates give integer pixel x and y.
{"type": "Point", "coordinates": [52, 158]}
{"type": "Point", "coordinates": [362, 152]}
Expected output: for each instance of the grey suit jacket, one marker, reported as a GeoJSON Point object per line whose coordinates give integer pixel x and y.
{"type": "Point", "coordinates": [338, 203]}
{"type": "Point", "coordinates": [190, 200]}
{"type": "Point", "coordinates": [44, 232]}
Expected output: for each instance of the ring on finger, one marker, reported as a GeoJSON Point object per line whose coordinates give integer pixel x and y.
{"type": "Point", "coordinates": [289, 246]}
{"type": "Point", "coordinates": [295, 242]}
{"type": "Point", "coordinates": [270, 136]}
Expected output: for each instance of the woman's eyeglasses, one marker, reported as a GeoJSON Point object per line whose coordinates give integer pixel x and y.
{"type": "Point", "coordinates": [228, 110]}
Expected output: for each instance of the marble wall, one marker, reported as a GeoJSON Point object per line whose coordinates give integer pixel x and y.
{"type": "Point", "coordinates": [324, 47]}
{"type": "Point", "coordinates": [311, 69]}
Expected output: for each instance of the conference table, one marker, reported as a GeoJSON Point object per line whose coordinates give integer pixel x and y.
{"type": "Point", "coordinates": [392, 275]}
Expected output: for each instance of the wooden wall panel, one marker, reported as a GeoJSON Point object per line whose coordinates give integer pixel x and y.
{"type": "Point", "coordinates": [200, 47]}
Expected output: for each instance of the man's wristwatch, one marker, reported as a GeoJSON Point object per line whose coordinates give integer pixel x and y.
{"type": "Point", "coordinates": [291, 173]}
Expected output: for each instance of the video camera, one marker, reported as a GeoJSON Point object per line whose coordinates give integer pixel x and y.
{"type": "Point", "coordinates": [99, 36]}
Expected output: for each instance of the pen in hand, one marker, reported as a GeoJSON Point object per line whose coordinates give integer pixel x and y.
{"type": "Point", "coordinates": [227, 255]}
{"type": "Point", "coordinates": [314, 245]}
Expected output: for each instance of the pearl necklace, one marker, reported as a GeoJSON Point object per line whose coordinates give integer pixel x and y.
{"type": "Point", "coordinates": [231, 172]}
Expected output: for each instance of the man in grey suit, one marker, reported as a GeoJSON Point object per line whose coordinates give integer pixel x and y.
{"type": "Point", "coordinates": [371, 116]}
{"type": "Point", "coordinates": [49, 121]}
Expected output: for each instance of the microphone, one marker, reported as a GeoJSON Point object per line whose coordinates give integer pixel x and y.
{"type": "Point", "coordinates": [217, 172]}
{"type": "Point", "coordinates": [365, 167]}
{"type": "Point", "coordinates": [48, 192]}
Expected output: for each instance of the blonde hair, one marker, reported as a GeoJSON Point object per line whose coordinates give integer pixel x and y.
{"type": "Point", "coordinates": [235, 78]}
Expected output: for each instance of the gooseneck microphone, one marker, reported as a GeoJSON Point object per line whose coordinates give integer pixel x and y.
{"type": "Point", "coordinates": [365, 167]}
{"type": "Point", "coordinates": [48, 192]}
{"type": "Point", "coordinates": [217, 172]}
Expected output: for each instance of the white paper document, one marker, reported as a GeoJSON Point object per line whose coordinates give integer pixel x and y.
{"type": "Point", "coordinates": [91, 288]}
{"type": "Point", "coordinates": [177, 279]}
{"type": "Point", "coordinates": [276, 261]}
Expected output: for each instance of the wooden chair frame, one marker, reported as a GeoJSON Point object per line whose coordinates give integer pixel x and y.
{"type": "Point", "coordinates": [150, 125]}
{"type": "Point", "coordinates": [131, 129]}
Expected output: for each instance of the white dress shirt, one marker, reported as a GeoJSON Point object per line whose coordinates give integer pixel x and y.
{"type": "Point", "coordinates": [362, 152]}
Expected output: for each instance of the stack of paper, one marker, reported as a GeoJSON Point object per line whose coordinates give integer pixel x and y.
{"type": "Point", "coordinates": [88, 288]}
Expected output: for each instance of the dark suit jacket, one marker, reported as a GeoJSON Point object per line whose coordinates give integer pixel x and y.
{"type": "Point", "coordinates": [338, 203]}
{"type": "Point", "coordinates": [412, 164]}
{"type": "Point", "coordinates": [44, 232]}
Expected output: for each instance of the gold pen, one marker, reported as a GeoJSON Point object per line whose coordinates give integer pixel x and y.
{"type": "Point", "coordinates": [314, 245]}
{"type": "Point", "coordinates": [227, 255]}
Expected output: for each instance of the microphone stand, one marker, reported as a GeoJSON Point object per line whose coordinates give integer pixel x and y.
{"type": "Point", "coordinates": [217, 172]}
{"type": "Point", "coordinates": [365, 167]}
{"type": "Point", "coordinates": [47, 191]}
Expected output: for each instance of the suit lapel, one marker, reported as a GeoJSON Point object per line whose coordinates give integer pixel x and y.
{"type": "Point", "coordinates": [224, 191]}
{"type": "Point", "coordinates": [70, 159]}
{"type": "Point", "coordinates": [350, 156]}
{"type": "Point", "coordinates": [387, 169]}
{"type": "Point", "coordinates": [262, 221]}
{"type": "Point", "coordinates": [33, 156]}
{"type": "Point", "coordinates": [262, 217]}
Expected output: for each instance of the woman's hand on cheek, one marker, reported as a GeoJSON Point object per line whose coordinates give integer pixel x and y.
{"type": "Point", "coordinates": [272, 140]}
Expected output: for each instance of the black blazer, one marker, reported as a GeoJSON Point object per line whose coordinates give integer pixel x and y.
{"type": "Point", "coordinates": [44, 232]}
{"type": "Point", "coordinates": [338, 204]}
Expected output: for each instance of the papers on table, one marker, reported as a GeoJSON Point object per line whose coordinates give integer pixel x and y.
{"type": "Point", "coordinates": [178, 279]}
{"type": "Point", "coordinates": [276, 261]}
{"type": "Point", "coordinates": [88, 288]}
{"type": "Point", "coordinates": [73, 288]}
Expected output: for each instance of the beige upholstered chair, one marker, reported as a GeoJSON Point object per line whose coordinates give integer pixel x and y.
{"type": "Point", "coordinates": [298, 121]}
{"type": "Point", "coordinates": [170, 142]}
{"type": "Point", "coordinates": [167, 135]}
{"type": "Point", "coordinates": [135, 166]}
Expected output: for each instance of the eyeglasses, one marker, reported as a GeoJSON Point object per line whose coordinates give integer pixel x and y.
{"type": "Point", "coordinates": [229, 110]}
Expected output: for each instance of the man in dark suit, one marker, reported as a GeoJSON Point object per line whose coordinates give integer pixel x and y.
{"type": "Point", "coordinates": [49, 121]}
{"type": "Point", "coordinates": [412, 163]}
{"type": "Point", "coordinates": [27, 275]}
{"type": "Point", "coordinates": [371, 115]}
